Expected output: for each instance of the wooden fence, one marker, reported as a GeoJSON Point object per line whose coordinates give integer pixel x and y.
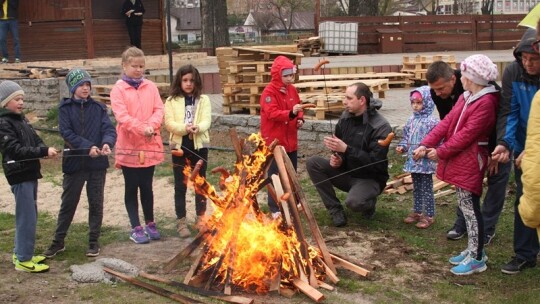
{"type": "Point", "coordinates": [438, 33]}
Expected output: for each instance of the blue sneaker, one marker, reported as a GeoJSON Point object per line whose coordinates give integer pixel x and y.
{"type": "Point", "coordinates": [138, 236]}
{"type": "Point", "coordinates": [469, 266]}
{"type": "Point", "coordinates": [456, 260]}
{"type": "Point", "coordinates": [151, 231]}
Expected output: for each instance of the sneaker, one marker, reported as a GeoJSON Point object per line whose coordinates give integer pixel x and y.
{"type": "Point", "coordinates": [455, 234]}
{"type": "Point", "coordinates": [93, 250]}
{"type": "Point", "coordinates": [516, 265]}
{"type": "Point", "coordinates": [30, 266]}
{"type": "Point", "coordinates": [138, 236]}
{"type": "Point", "coordinates": [488, 238]}
{"type": "Point", "coordinates": [4, 60]}
{"type": "Point", "coordinates": [54, 249]}
{"type": "Point", "coordinates": [456, 260]}
{"type": "Point", "coordinates": [36, 259]}
{"type": "Point", "coordinates": [17, 60]}
{"type": "Point", "coordinates": [151, 231]}
{"type": "Point", "coordinates": [339, 219]}
{"type": "Point", "coordinates": [182, 229]}
{"type": "Point", "coordinates": [276, 215]}
{"type": "Point", "coordinates": [469, 266]}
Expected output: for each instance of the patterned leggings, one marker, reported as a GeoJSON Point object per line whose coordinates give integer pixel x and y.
{"type": "Point", "coordinates": [424, 201]}
{"type": "Point", "coordinates": [469, 204]}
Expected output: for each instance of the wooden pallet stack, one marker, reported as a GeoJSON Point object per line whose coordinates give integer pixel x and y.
{"type": "Point", "coordinates": [245, 71]}
{"type": "Point", "coordinates": [310, 46]}
{"type": "Point", "coordinates": [403, 183]}
{"type": "Point", "coordinates": [417, 66]}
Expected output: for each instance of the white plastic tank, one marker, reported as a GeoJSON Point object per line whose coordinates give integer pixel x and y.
{"type": "Point", "coordinates": [339, 37]}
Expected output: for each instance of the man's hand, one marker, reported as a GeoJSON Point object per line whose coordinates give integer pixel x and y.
{"type": "Point", "coordinates": [335, 160]}
{"type": "Point", "coordinates": [500, 154]}
{"type": "Point", "coordinates": [335, 144]}
{"type": "Point", "coordinates": [493, 167]}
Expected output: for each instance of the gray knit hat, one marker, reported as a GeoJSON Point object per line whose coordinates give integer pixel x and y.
{"type": "Point", "coordinates": [8, 90]}
{"type": "Point", "coordinates": [75, 78]}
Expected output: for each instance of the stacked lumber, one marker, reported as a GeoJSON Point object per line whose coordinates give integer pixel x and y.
{"type": "Point", "coordinates": [327, 96]}
{"type": "Point", "coordinates": [33, 72]}
{"type": "Point", "coordinates": [417, 66]}
{"type": "Point", "coordinates": [395, 79]}
{"type": "Point", "coordinates": [403, 183]}
{"type": "Point", "coordinates": [310, 46]}
{"type": "Point", "coordinates": [245, 71]}
{"type": "Point", "coordinates": [102, 91]}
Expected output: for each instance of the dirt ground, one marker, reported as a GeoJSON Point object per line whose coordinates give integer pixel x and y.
{"type": "Point", "coordinates": [389, 258]}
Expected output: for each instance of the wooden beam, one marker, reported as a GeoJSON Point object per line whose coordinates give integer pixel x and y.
{"type": "Point", "coordinates": [313, 226]}
{"type": "Point", "coordinates": [309, 291]}
{"type": "Point", "coordinates": [199, 291]}
{"type": "Point", "coordinates": [350, 266]}
{"type": "Point", "coordinates": [155, 289]}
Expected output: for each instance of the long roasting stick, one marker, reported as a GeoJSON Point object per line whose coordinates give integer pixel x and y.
{"type": "Point", "coordinates": [200, 291]}
{"type": "Point", "coordinates": [155, 289]}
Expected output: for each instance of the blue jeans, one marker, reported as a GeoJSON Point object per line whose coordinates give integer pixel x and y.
{"type": "Point", "coordinates": [25, 219]}
{"type": "Point", "coordinates": [10, 25]}
{"type": "Point", "coordinates": [273, 169]}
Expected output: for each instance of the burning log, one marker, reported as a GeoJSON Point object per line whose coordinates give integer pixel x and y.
{"type": "Point", "coordinates": [244, 249]}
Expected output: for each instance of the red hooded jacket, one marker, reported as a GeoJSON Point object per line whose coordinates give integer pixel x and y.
{"type": "Point", "coordinates": [277, 101]}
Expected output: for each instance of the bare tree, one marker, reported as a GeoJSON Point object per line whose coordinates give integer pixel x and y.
{"type": "Point", "coordinates": [263, 21]}
{"type": "Point", "coordinates": [215, 29]}
{"type": "Point", "coordinates": [463, 7]}
{"type": "Point", "coordinates": [363, 7]}
{"type": "Point", "coordinates": [487, 7]}
{"type": "Point", "coordinates": [284, 10]}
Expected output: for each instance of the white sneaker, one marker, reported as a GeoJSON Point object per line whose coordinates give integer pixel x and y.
{"type": "Point", "coordinates": [276, 215]}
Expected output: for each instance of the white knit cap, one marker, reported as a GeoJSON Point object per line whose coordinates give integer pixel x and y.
{"type": "Point", "coordinates": [479, 69]}
{"type": "Point", "coordinates": [8, 90]}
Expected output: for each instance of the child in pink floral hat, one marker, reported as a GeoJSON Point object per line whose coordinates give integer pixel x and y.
{"type": "Point", "coordinates": [463, 153]}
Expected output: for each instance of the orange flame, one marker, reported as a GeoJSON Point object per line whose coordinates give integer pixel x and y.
{"type": "Point", "coordinates": [244, 246]}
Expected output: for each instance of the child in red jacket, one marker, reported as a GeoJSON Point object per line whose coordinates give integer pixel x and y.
{"type": "Point", "coordinates": [281, 114]}
{"type": "Point", "coordinates": [463, 154]}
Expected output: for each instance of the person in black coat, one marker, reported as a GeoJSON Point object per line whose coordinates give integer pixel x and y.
{"type": "Point", "coordinates": [134, 10]}
{"type": "Point", "coordinates": [21, 150]}
{"type": "Point", "coordinates": [89, 136]}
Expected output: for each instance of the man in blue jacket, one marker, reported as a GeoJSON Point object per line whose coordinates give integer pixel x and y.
{"type": "Point", "coordinates": [9, 23]}
{"type": "Point", "coordinates": [89, 137]}
{"type": "Point", "coordinates": [521, 80]}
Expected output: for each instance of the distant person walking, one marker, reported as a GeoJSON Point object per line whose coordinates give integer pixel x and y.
{"type": "Point", "coordinates": [9, 23]}
{"type": "Point", "coordinates": [134, 10]}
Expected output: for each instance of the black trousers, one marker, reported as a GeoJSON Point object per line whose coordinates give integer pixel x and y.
{"type": "Point", "coordinates": [135, 33]}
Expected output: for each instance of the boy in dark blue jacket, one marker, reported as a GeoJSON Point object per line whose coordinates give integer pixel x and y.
{"type": "Point", "coordinates": [89, 137]}
{"type": "Point", "coordinates": [21, 150]}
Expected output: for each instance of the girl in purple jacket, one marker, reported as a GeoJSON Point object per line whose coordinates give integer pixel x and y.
{"type": "Point", "coordinates": [463, 154]}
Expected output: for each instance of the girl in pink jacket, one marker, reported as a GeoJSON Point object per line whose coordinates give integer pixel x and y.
{"type": "Point", "coordinates": [463, 154]}
{"type": "Point", "coordinates": [138, 109]}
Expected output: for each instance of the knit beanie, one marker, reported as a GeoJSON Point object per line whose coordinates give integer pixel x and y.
{"type": "Point", "coordinates": [8, 91]}
{"type": "Point", "coordinates": [75, 78]}
{"type": "Point", "coordinates": [479, 69]}
{"type": "Point", "coordinates": [416, 95]}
